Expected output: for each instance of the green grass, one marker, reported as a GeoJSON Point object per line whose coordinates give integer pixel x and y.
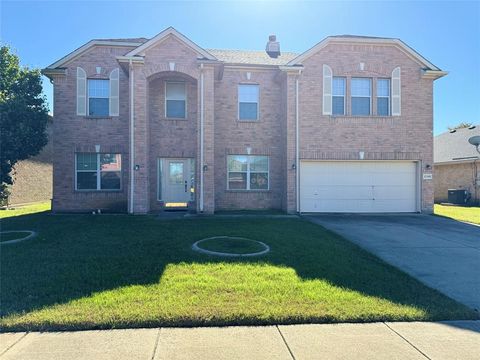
{"type": "Point", "coordinates": [116, 271]}
{"type": "Point", "coordinates": [468, 214]}
{"type": "Point", "coordinates": [24, 210]}
{"type": "Point", "coordinates": [13, 235]}
{"type": "Point", "coordinates": [231, 245]}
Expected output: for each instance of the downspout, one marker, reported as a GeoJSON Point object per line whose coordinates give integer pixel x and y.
{"type": "Point", "coordinates": [201, 136]}
{"type": "Point", "coordinates": [132, 140]}
{"type": "Point", "coordinates": [297, 145]}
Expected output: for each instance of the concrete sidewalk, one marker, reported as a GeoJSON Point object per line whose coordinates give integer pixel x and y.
{"type": "Point", "coordinates": [416, 340]}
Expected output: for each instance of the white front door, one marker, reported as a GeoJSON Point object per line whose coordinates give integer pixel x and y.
{"type": "Point", "coordinates": [176, 182]}
{"type": "Point", "coordinates": [358, 186]}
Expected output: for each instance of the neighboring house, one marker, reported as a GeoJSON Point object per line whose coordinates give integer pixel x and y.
{"type": "Point", "coordinates": [33, 177]}
{"type": "Point", "coordinates": [143, 125]}
{"type": "Point", "coordinates": [456, 164]}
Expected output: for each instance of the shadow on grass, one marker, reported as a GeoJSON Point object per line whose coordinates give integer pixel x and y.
{"type": "Point", "coordinates": [74, 257]}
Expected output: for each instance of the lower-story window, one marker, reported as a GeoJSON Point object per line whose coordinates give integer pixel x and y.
{"type": "Point", "coordinates": [98, 171]}
{"type": "Point", "coordinates": [247, 172]}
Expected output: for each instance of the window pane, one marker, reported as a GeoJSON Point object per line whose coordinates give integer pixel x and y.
{"type": "Point", "coordinates": [98, 107]}
{"type": "Point", "coordinates": [258, 163]}
{"type": "Point", "coordinates": [110, 180]}
{"type": "Point", "coordinates": [110, 162]}
{"type": "Point", "coordinates": [248, 93]}
{"type": "Point", "coordinates": [383, 106]}
{"type": "Point", "coordinates": [361, 87]}
{"type": "Point", "coordinates": [87, 180]}
{"type": "Point", "coordinates": [237, 163]}
{"type": "Point", "coordinates": [237, 180]}
{"type": "Point", "coordinates": [98, 88]}
{"type": "Point", "coordinates": [338, 86]}
{"type": "Point", "coordinates": [176, 109]}
{"type": "Point", "coordinates": [175, 173]}
{"type": "Point", "coordinates": [360, 106]}
{"type": "Point", "coordinates": [383, 87]}
{"type": "Point", "coordinates": [248, 111]}
{"type": "Point", "coordinates": [338, 105]}
{"type": "Point", "coordinates": [176, 91]}
{"type": "Point", "coordinates": [259, 181]}
{"type": "Point", "coordinates": [86, 161]}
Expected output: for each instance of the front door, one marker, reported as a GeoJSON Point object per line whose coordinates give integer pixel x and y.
{"type": "Point", "coordinates": [176, 182]}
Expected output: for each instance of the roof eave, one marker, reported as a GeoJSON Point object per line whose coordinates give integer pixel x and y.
{"type": "Point", "coordinates": [87, 46]}
{"type": "Point", "coordinates": [433, 74]}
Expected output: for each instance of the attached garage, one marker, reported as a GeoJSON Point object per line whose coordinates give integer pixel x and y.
{"type": "Point", "coordinates": [358, 186]}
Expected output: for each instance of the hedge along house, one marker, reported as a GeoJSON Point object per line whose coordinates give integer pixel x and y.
{"type": "Point", "coordinates": [143, 125]}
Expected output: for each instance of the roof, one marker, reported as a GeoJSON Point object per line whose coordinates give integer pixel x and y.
{"type": "Point", "coordinates": [135, 40]}
{"type": "Point", "coordinates": [454, 147]}
{"type": "Point", "coordinates": [251, 57]}
{"type": "Point", "coordinates": [243, 57]}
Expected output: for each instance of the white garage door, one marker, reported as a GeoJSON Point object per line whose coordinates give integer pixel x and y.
{"type": "Point", "coordinates": [358, 186]}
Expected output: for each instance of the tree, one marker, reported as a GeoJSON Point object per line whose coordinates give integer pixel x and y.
{"type": "Point", "coordinates": [462, 125]}
{"type": "Point", "coordinates": [23, 115]}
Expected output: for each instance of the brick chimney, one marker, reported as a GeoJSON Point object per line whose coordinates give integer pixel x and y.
{"type": "Point", "coordinates": [273, 47]}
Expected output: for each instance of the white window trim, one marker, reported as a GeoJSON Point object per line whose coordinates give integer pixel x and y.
{"type": "Point", "coordinates": [344, 95]}
{"type": "Point", "coordinates": [99, 174]}
{"type": "Point", "coordinates": [88, 100]}
{"type": "Point", "coordinates": [248, 102]}
{"type": "Point", "coordinates": [389, 97]}
{"type": "Point", "coordinates": [186, 102]}
{"type": "Point", "coordinates": [248, 172]}
{"type": "Point", "coordinates": [370, 97]}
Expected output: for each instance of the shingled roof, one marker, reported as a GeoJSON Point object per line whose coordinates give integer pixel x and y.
{"type": "Point", "coordinates": [251, 57]}
{"type": "Point", "coordinates": [454, 146]}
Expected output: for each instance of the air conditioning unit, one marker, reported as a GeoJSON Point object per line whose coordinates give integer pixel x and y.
{"type": "Point", "coordinates": [458, 196]}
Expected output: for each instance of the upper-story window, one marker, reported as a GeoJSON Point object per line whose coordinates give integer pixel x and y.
{"type": "Point", "coordinates": [98, 97]}
{"type": "Point", "coordinates": [361, 89]}
{"type": "Point", "coordinates": [248, 102]}
{"type": "Point", "coordinates": [175, 100]}
{"type": "Point", "coordinates": [383, 97]}
{"type": "Point", "coordinates": [338, 96]}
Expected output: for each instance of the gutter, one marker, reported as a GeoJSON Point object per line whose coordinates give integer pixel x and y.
{"type": "Point", "coordinates": [297, 144]}
{"type": "Point", "coordinates": [132, 139]}
{"type": "Point", "coordinates": [201, 135]}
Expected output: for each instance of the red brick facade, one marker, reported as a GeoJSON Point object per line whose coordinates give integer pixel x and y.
{"type": "Point", "coordinates": [212, 98]}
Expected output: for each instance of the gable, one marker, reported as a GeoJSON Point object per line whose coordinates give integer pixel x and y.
{"type": "Point", "coordinates": [166, 34]}
{"type": "Point", "coordinates": [365, 40]}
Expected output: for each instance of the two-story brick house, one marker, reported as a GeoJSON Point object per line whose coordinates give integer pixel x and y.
{"type": "Point", "coordinates": [147, 124]}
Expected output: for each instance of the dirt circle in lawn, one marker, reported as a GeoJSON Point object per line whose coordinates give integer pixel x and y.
{"type": "Point", "coordinates": [230, 246]}
{"type": "Point", "coordinates": [14, 236]}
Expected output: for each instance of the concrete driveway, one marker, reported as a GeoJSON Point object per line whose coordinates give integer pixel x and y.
{"type": "Point", "coordinates": [440, 252]}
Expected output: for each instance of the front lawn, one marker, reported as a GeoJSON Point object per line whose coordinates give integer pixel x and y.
{"type": "Point", "coordinates": [114, 271]}
{"type": "Point", "coordinates": [461, 213]}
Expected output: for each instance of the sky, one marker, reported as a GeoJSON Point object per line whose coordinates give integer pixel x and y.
{"type": "Point", "coordinates": [446, 33]}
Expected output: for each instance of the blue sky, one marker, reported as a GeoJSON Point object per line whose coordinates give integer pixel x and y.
{"type": "Point", "coordinates": [446, 33]}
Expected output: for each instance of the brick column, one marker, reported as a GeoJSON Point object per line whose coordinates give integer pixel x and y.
{"type": "Point", "coordinates": [290, 111]}
{"type": "Point", "coordinates": [208, 138]}
{"type": "Point", "coordinates": [140, 131]}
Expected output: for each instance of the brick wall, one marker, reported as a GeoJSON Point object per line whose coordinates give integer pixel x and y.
{"type": "Point", "coordinates": [405, 137]}
{"type": "Point", "coordinates": [455, 176]}
{"type": "Point", "coordinates": [263, 137]}
{"type": "Point", "coordinates": [33, 177]}
{"type": "Point", "coordinates": [74, 133]}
